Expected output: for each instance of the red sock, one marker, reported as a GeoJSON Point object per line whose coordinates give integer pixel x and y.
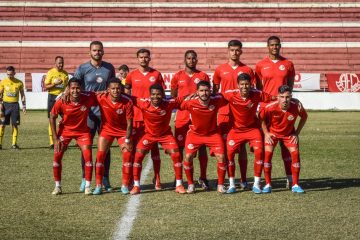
{"type": "Point", "coordinates": [221, 171]}
{"type": "Point", "coordinates": [189, 172]}
{"type": "Point", "coordinates": [231, 163]}
{"type": "Point", "coordinates": [99, 166]}
{"type": "Point", "coordinates": [267, 166]}
{"type": "Point", "coordinates": [203, 159]}
{"type": "Point", "coordinates": [88, 164]}
{"type": "Point", "coordinates": [137, 166]}
{"type": "Point", "coordinates": [259, 161]}
{"type": "Point", "coordinates": [57, 165]}
{"type": "Point", "coordinates": [243, 161]}
{"type": "Point", "coordinates": [286, 156]}
{"type": "Point", "coordinates": [176, 158]}
{"type": "Point", "coordinates": [155, 156]}
{"type": "Point", "coordinates": [126, 167]}
{"type": "Point", "coordinates": [295, 167]}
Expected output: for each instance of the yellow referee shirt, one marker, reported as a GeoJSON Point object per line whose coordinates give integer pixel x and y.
{"type": "Point", "coordinates": [54, 75]}
{"type": "Point", "coordinates": [11, 89]}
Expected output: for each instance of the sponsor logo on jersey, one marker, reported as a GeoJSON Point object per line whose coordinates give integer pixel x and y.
{"type": "Point", "coordinates": [99, 79]}
{"type": "Point", "coordinates": [119, 111]}
{"type": "Point", "coordinates": [190, 146]}
{"type": "Point", "coordinates": [152, 79]}
{"type": "Point", "coordinates": [225, 73]}
{"type": "Point", "coordinates": [196, 81]}
{"type": "Point", "coordinates": [180, 137]}
{"type": "Point", "coordinates": [231, 142]}
{"type": "Point", "coordinates": [145, 142]}
{"type": "Point", "coordinates": [162, 113]}
{"type": "Point", "coordinates": [282, 67]}
{"type": "Point", "coordinates": [290, 117]}
{"type": "Point", "coordinates": [137, 80]}
{"type": "Point", "coordinates": [266, 68]}
{"type": "Point", "coordinates": [181, 81]}
{"type": "Point", "coordinates": [83, 108]}
{"type": "Point", "coordinates": [211, 107]}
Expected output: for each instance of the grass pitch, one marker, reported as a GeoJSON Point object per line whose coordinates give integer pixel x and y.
{"type": "Point", "coordinates": [330, 209]}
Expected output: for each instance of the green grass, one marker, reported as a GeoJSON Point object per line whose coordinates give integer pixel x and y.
{"type": "Point", "coordinates": [330, 209]}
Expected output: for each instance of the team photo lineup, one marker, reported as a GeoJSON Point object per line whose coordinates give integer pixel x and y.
{"type": "Point", "coordinates": [214, 119]}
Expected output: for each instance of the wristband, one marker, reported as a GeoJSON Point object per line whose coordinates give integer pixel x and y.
{"type": "Point", "coordinates": [127, 140]}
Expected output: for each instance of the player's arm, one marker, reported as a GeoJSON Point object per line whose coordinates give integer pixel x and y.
{"type": "Point", "coordinates": [258, 78]}
{"type": "Point", "coordinates": [52, 121]}
{"type": "Point", "coordinates": [216, 81]}
{"type": "Point", "coordinates": [23, 100]}
{"type": "Point", "coordinates": [303, 118]}
{"type": "Point", "coordinates": [129, 127]}
{"type": "Point", "coordinates": [291, 77]}
{"type": "Point", "coordinates": [1, 101]}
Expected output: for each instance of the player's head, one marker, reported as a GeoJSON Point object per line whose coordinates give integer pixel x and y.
{"type": "Point", "coordinates": [274, 46]}
{"type": "Point", "coordinates": [190, 59]}
{"type": "Point", "coordinates": [59, 62]}
{"type": "Point", "coordinates": [157, 93]}
{"type": "Point", "coordinates": [74, 85]}
{"type": "Point", "coordinates": [284, 96]}
{"type": "Point", "coordinates": [143, 56]}
{"type": "Point", "coordinates": [244, 84]}
{"type": "Point", "coordinates": [203, 90]}
{"type": "Point", "coordinates": [123, 71]}
{"type": "Point", "coordinates": [96, 50]}
{"type": "Point", "coordinates": [114, 88]}
{"type": "Point", "coordinates": [234, 50]}
{"type": "Point", "coordinates": [10, 72]}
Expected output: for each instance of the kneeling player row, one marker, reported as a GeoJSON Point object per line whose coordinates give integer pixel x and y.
{"type": "Point", "coordinates": [278, 121]}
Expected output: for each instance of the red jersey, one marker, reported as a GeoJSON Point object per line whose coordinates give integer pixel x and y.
{"type": "Point", "coordinates": [156, 119]}
{"type": "Point", "coordinates": [281, 123]}
{"type": "Point", "coordinates": [140, 84]}
{"type": "Point", "coordinates": [273, 75]}
{"type": "Point", "coordinates": [186, 84]}
{"type": "Point", "coordinates": [203, 118]}
{"type": "Point", "coordinates": [243, 111]}
{"type": "Point", "coordinates": [226, 76]}
{"type": "Point", "coordinates": [114, 115]}
{"type": "Point", "coordinates": [75, 115]}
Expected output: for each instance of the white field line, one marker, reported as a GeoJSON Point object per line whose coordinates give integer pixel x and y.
{"type": "Point", "coordinates": [124, 226]}
{"type": "Point", "coordinates": [189, 4]}
{"type": "Point", "coordinates": [173, 44]}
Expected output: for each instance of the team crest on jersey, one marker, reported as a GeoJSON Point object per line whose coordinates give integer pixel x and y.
{"type": "Point", "coordinates": [145, 142]}
{"type": "Point", "coordinates": [282, 67]}
{"type": "Point", "coordinates": [196, 81]}
{"type": "Point", "coordinates": [162, 113]}
{"type": "Point", "coordinates": [152, 79]}
{"type": "Point", "coordinates": [180, 137]}
{"type": "Point", "coordinates": [99, 80]}
{"type": "Point", "coordinates": [83, 108]}
{"type": "Point", "coordinates": [231, 143]}
{"type": "Point", "coordinates": [190, 146]}
{"type": "Point", "coordinates": [240, 73]}
{"type": "Point", "coordinates": [211, 107]}
{"type": "Point", "coordinates": [290, 117]}
{"type": "Point", "coordinates": [119, 111]}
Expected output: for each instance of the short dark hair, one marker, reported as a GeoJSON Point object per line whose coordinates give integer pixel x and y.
{"type": "Point", "coordinates": [190, 52]}
{"type": "Point", "coordinates": [157, 86]}
{"type": "Point", "coordinates": [142, 50]}
{"type": "Point", "coordinates": [124, 67]}
{"type": "Point", "coordinates": [284, 88]}
{"type": "Point", "coordinates": [74, 80]}
{"type": "Point", "coordinates": [203, 83]}
{"type": "Point", "coordinates": [273, 38]}
{"type": "Point", "coordinates": [10, 68]}
{"type": "Point", "coordinates": [235, 43]}
{"type": "Point", "coordinates": [56, 58]}
{"type": "Point", "coordinates": [243, 76]}
{"type": "Point", "coordinates": [96, 43]}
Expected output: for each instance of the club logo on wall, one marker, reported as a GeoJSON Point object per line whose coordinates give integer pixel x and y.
{"type": "Point", "coordinates": [348, 82]}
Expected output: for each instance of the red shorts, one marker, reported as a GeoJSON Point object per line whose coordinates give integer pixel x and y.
{"type": "Point", "coordinates": [223, 123]}
{"type": "Point", "coordinates": [138, 130]}
{"type": "Point", "coordinates": [110, 137]}
{"type": "Point", "coordinates": [235, 138]}
{"type": "Point", "coordinates": [194, 142]}
{"type": "Point", "coordinates": [181, 132]}
{"type": "Point", "coordinates": [81, 138]}
{"type": "Point", "coordinates": [286, 140]}
{"type": "Point", "coordinates": [167, 141]}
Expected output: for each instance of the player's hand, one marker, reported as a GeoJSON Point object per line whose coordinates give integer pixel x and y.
{"type": "Point", "coordinates": [294, 139]}
{"type": "Point", "coordinates": [24, 110]}
{"type": "Point", "coordinates": [57, 81]}
{"type": "Point", "coordinates": [58, 146]}
{"type": "Point", "coordinates": [268, 138]}
{"type": "Point", "coordinates": [66, 95]}
{"type": "Point", "coordinates": [128, 146]}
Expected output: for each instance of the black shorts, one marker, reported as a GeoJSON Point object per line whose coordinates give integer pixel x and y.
{"type": "Point", "coordinates": [51, 102]}
{"type": "Point", "coordinates": [11, 111]}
